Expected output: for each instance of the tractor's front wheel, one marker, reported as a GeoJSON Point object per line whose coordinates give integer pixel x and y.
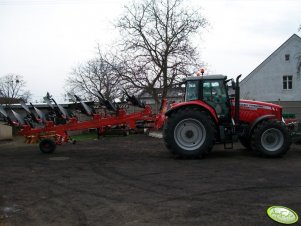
{"type": "Point", "coordinates": [189, 132]}
{"type": "Point", "coordinates": [47, 146]}
{"type": "Point", "coordinates": [271, 139]}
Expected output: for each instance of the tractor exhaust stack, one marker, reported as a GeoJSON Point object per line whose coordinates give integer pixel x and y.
{"type": "Point", "coordinates": [237, 100]}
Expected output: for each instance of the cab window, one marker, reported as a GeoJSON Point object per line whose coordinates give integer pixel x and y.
{"type": "Point", "coordinates": [191, 91]}
{"type": "Point", "coordinates": [212, 89]}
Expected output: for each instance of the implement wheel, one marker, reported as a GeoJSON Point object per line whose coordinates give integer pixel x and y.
{"type": "Point", "coordinates": [47, 146]}
{"type": "Point", "coordinates": [189, 132]}
{"type": "Point", "coordinates": [271, 139]}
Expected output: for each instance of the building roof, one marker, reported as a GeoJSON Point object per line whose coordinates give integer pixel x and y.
{"type": "Point", "coordinates": [38, 105]}
{"type": "Point", "coordinates": [294, 36]}
{"type": "Point", "coordinates": [7, 100]}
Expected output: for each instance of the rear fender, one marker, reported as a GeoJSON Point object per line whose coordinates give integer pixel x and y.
{"type": "Point", "coordinates": [197, 104]}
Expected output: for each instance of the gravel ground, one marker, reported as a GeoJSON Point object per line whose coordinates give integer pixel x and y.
{"type": "Point", "coordinates": [135, 181]}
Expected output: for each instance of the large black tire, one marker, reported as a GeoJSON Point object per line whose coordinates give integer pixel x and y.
{"type": "Point", "coordinates": [167, 145]}
{"type": "Point", "coordinates": [271, 139]}
{"type": "Point", "coordinates": [189, 132]}
{"type": "Point", "coordinates": [47, 146]}
{"type": "Point", "coordinates": [245, 142]}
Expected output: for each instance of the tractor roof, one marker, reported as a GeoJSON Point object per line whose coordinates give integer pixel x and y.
{"type": "Point", "coordinates": [205, 77]}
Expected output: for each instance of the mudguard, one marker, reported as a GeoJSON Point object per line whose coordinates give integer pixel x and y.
{"type": "Point", "coordinates": [258, 120]}
{"type": "Point", "coordinates": [194, 103]}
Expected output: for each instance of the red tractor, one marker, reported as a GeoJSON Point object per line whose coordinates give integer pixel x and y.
{"type": "Point", "coordinates": [210, 115]}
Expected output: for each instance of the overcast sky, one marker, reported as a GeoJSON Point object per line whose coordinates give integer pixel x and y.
{"type": "Point", "coordinates": [44, 39]}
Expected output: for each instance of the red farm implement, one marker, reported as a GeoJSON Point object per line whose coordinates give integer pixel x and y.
{"type": "Point", "coordinates": [52, 130]}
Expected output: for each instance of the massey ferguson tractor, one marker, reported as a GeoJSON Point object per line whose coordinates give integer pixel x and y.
{"type": "Point", "coordinates": [210, 115]}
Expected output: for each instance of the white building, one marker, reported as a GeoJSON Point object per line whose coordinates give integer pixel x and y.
{"type": "Point", "coordinates": [278, 78]}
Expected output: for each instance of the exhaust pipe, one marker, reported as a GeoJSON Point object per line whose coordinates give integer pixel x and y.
{"type": "Point", "coordinates": [237, 100]}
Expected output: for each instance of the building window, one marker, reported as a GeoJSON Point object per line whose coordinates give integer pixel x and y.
{"type": "Point", "coordinates": [287, 57]}
{"type": "Point", "coordinates": [287, 82]}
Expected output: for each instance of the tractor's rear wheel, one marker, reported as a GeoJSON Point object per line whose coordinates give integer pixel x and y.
{"type": "Point", "coordinates": [271, 139]}
{"type": "Point", "coordinates": [47, 146]}
{"type": "Point", "coordinates": [189, 132]}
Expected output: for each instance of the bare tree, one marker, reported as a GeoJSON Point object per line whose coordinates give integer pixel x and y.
{"type": "Point", "coordinates": [95, 75]}
{"type": "Point", "coordinates": [12, 87]}
{"type": "Point", "coordinates": [157, 47]}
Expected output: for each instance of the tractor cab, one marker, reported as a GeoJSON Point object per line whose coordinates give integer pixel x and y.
{"type": "Point", "coordinates": [212, 90]}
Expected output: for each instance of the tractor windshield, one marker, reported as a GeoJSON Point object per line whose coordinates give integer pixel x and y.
{"type": "Point", "coordinates": [191, 90]}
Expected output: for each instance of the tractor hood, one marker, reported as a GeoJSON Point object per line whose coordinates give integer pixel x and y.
{"type": "Point", "coordinates": [254, 105]}
{"type": "Point", "coordinates": [250, 110]}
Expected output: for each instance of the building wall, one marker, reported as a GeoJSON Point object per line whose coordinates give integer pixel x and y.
{"type": "Point", "coordinates": [156, 107]}
{"type": "Point", "coordinates": [290, 107]}
{"type": "Point", "coordinates": [265, 83]}
{"type": "Point", "coordinates": [6, 132]}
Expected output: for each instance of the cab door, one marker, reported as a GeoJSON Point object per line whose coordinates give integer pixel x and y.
{"type": "Point", "coordinates": [214, 94]}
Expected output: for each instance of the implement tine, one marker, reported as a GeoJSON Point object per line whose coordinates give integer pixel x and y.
{"type": "Point", "coordinates": [39, 112]}
{"type": "Point", "coordinates": [61, 108]}
{"type": "Point", "coordinates": [71, 96]}
{"type": "Point", "coordinates": [48, 101]}
{"type": "Point", "coordinates": [85, 106]}
{"type": "Point", "coordinates": [7, 118]}
{"type": "Point", "coordinates": [2, 111]}
{"type": "Point", "coordinates": [25, 107]}
{"type": "Point", "coordinates": [18, 117]}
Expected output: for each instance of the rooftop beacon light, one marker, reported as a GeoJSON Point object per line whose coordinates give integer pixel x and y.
{"type": "Point", "coordinates": [202, 70]}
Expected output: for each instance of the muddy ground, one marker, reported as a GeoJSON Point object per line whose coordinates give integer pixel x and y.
{"type": "Point", "coordinates": [135, 181]}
